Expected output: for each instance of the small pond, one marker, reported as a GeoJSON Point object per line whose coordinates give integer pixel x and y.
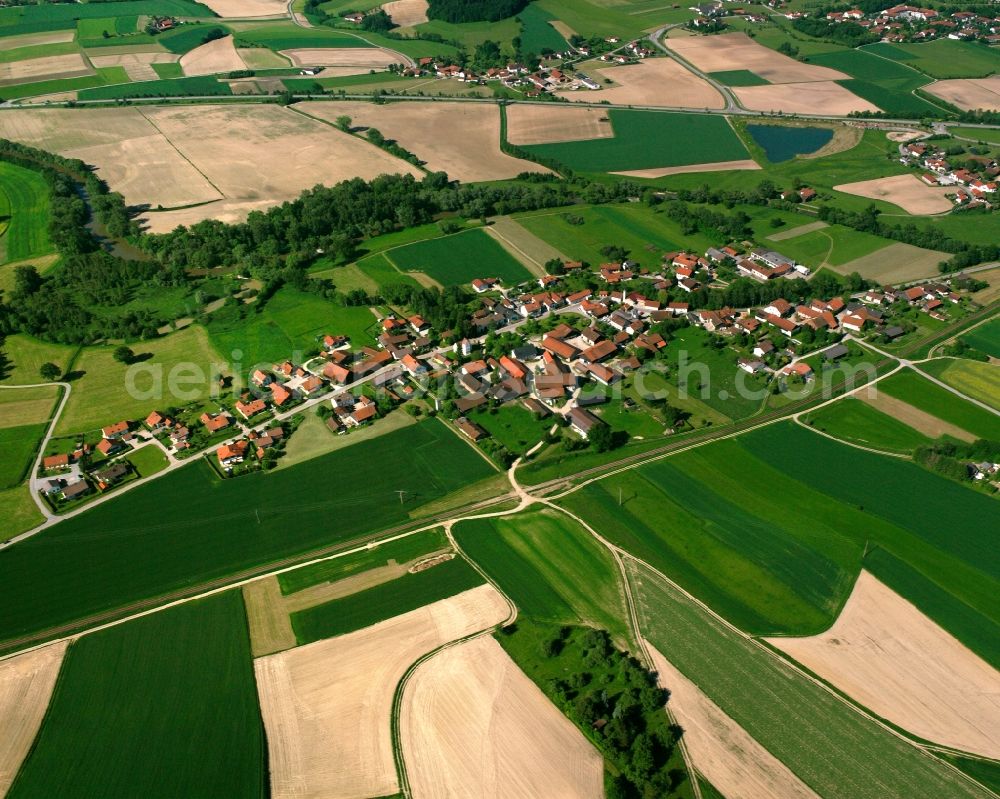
{"type": "Point", "coordinates": [782, 143]}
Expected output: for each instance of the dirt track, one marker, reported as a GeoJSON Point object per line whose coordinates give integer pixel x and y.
{"type": "Point", "coordinates": [26, 684]}
{"type": "Point", "coordinates": [326, 706]}
{"type": "Point", "coordinates": [473, 725]}
{"type": "Point", "coordinates": [892, 659]}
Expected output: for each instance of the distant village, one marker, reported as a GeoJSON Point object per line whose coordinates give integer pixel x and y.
{"type": "Point", "coordinates": [975, 184]}
{"type": "Point", "coordinates": [914, 24]}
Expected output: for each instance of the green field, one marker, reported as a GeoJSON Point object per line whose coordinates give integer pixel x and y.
{"type": "Point", "coordinates": [24, 206]}
{"type": "Point", "coordinates": [131, 549]}
{"type": "Point", "coordinates": [512, 425]}
{"type": "Point", "coordinates": [537, 34]}
{"type": "Point", "coordinates": [285, 326]}
{"type": "Point", "coordinates": [979, 134]}
{"type": "Point", "coordinates": [106, 27]}
{"type": "Point", "coordinates": [783, 560]}
{"type": "Point", "coordinates": [168, 71]}
{"type": "Point", "coordinates": [858, 422]}
{"type": "Point", "coordinates": [148, 460]}
{"type": "Point", "coordinates": [457, 259]}
{"type": "Point", "coordinates": [887, 84]}
{"type": "Point", "coordinates": [179, 87]}
{"type": "Point", "coordinates": [26, 406]}
{"type": "Point", "coordinates": [15, 20]}
{"type": "Point", "coordinates": [925, 395]}
{"type": "Point", "coordinates": [287, 36]}
{"type": "Point", "coordinates": [835, 245]}
{"type": "Point", "coordinates": [27, 354]}
{"type": "Point", "coordinates": [394, 598]}
{"type": "Point", "coordinates": [551, 568]}
{"type": "Point", "coordinates": [980, 381]}
{"type": "Point", "coordinates": [985, 338]}
{"type": "Point", "coordinates": [738, 77]}
{"type": "Point", "coordinates": [942, 58]}
{"type": "Point", "coordinates": [18, 511]}
{"type": "Point", "coordinates": [836, 751]}
{"type": "Point", "coordinates": [104, 76]}
{"type": "Point", "coordinates": [649, 139]}
{"type": "Point", "coordinates": [163, 706]}
{"type": "Point", "coordinates": [623, 18]}
{"type": "Point", "coordinates": [401, 550]}
{"type": "Point", "coordinates": [18, 445]}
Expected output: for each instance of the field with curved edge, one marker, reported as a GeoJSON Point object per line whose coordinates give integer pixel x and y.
{"type": "Point", "coordinates": [459, 258]}
{"type": "Point", "coordinates": [113, 555]}
{"type": "Point", "coordinates": [855, 421]}
{"type": "Point", "coordinates": [937, 401]}
{"type": "Point", "coordinates": [24, 209]}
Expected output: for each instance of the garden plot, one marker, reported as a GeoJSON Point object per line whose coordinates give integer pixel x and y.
{"type": "Point", "coordinates": [26, 683]}
{"type": "Point", "coordinates": [138, 66]}
{"type": "Point", "coordinates": [720, 748]}
{"type": "Point", "coordinates": [473, 724]}
{"type": "Point", "coordinates": [462, 139]}
{"type": "Point", "coordinates": [655, 81]}
{"type": "Point", "coordinates": [542, 124]}
{"type": "Point", "coordinates": [327, 705]}
{"type": "Point", "coordinates": [907, 191]}
{"type": "Point", "coordinates": [891, 658]}
{"type": "Point", "coordinates": [71, 65]}
{"type": "Point", "coordinates": [211, 58]}
{"type": "Point", "coordinates": [969, 94]}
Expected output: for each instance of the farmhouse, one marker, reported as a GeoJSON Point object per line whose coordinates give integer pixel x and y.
{"type": "Point", "coordinates": [582, 421]}
{"type": "Point", "coordinates": [471, 430]}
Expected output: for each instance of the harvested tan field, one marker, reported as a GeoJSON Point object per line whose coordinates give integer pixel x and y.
{"type": "Point", "coordinates": [148, 171]}
{"type": "Point", "coordinates": [821, 97]}
{"type": "Point", "coordinates": [530, 250]}
{"type": "Point", "coordinates": [245, 9]}
{"type": "Point", "coordinates": [228, 211]}
{"type": "Point", "coordinates": [738, 51]}
{"type": "Point", "coordinates": [211, 58]}
{"type": "Point", "coordinates": [326, 706]}
{"type": "Point", "coordinates": [62, 129]}
{"type": "Point", "coordinates": [137, 65]}
{"type": "Point", "coordinates": [472, 724]}
{"type": "Point", "coordinates": [261, 58]}
{"type": "Point", "coordinates": [361, 58]}
{"type": "Point", "coordinates": [888, 656]}
{"type": "Point", "coordinates": [462, 139]}
{"type": "Point", "coordinates": [795, 232]}
{"type": "Point", "coordinates": [655, 81]}
{"type": "Point", "coordinates": [70, 65]}
{"type": "Point", "coordinates": [26, 683]}
{"type": "Point", "coordinates": [919, 420]}
{"type": "Point", "coordinates": [969, 94]}
{"type": "Point", "coordinates": [539, 124]}
{"type": "Point", "coordinates": [35, 39]}
{"type": "Point", "coordinates": [716, 166]}
{"type": "Point", "coordinates": [564, 30]}
{"type": "Point", "coordinates": [406, 13]}
{"type": "Point", "coordinates": [738, 766]}
{"type": "Point", "coordinates": [896, 263]}
{"type": "Point", "coordinates": [907, 191]}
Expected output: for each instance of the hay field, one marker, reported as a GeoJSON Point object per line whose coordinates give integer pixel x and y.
{"type": "Point", "coordinates": [969, 94]}
{"type": "Point", "coordinates": [729, 758]}
{"type": "Point", "coordinates": [462, 139]}
{"type": "Point", "coordinates": [243, 9]}
{"type": "Point", "coordinates": [261, 155]}
{"type": "Point", "coordinates": [406, 13]}
{"type": "Point", "coordinates": [473, 724]}
{"type": "Point", "coordinates": [35, 39]}
{"type": "Point", "coordinates": [137, 65]}
{"type": "Point", "coordinates": [737, 51]}
{"type": "Point", "coordinates": [538, 124]}
{"type": "Point", "coordinates": [655, 81]}
{"type": "Point", "coordinates": [361, 58]}
{"type": "Point", "coordinates": [327, 705]}
{"type": "Point", "coordinates": [891, 658]}
{"type": "Point", "coordinates": [919, 420]}
{"type": "Point", "coordinates": [907, 191]}
{"type": "Point", "coordinates": [21, 406]}
{"type": "Point", "coordinates": [70, 65]}
{"type": "Point", "coordinates": [261, 58]}
{"type": "Point", "coordinates": [26, 683]}
{"type": "Point", "coordinates": [819, 97]}
{"type": "Point", "coordinates": [895, 264]}
{"type": "Point", "coordinates": [663, 171]}
{"type": "Point", "coordinates": [218, 55]}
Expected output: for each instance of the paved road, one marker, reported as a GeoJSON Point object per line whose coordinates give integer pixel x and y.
{"type": "Point", "coordinates": [732, 104]}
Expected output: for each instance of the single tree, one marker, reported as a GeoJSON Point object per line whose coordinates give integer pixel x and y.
{"type": "Point", "coordinates": [49, 371]}
{"type": "Point", "coordinates": [344, 123]}
{"type": "Point", "coordinates": [124, 355]}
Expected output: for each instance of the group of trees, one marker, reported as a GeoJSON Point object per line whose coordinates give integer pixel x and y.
{"type": "Point", "coordinates": [474, 10]}
{"type": "Point", "coordinates": [847, 33]}
{"type": "Point", "coordinates": [952, 458]}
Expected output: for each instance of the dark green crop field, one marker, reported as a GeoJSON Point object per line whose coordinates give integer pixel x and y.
{"type": "Point", "coordinates": [163, 706]}
{"type": "Point", "coordinates": [24, 206]}
{"type": "Point", "coordinates": [180, 87]}
{"type": "Point", "coordinates": [16, 20]}
{"type": "Point", "coordinates": [460, 258]}
{"type": "Point", "coordinates": [985, 338]}
{"type": "Point", "coordinates": [937, 401]}
{"type": "Point", "coordinates": [887, 84]}
{"type": "Point", "coordinates": [858, 422]}
{"type": "Point", "coordinates": [18, 445]}
{"type": "Point", "coordinates": [394, 598]}
{"type": "Point", "coordinates": [650, 139]}
{"type": "Point", "coordinates": [536, 32]}
{"type": "Point", "coordinates": [188, 526]}
{"type": "Point", "coordinates": [738, 77]}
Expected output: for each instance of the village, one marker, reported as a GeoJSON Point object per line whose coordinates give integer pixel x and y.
{"type": "Point", "coordinates": [975, 184]}
{"type": "Point", "coordinates": [903, 23]}
{"type": "Point", "coordinates": [565, 349]}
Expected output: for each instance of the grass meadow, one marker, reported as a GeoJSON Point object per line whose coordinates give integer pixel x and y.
{"type": "Point", "coordinates": [985, 338]}
{"type": "Point", "coordinates": [836, 751]}
{"type": "Point", "coordinates": [27, 354]}
{"type": "Point", "coordinates": [163, 706]}
{"type": "Point", "coordinates": [189, 527]}
{"type": "Point", "coordinates": [459, 258]}
{"type": "Point", "coordinates": [15, 20]}
{"type": "Point", "coordinates": [179, 87]}
{"type": "Point", "coordinates": [18, 445]}
{"type": "Point", "coordinates": [770, 529]}
{"type": "Point", "coordinates": [858, 422]}
{"type": "Point", "coordinates": [681, 139]}
{"type": "Point", "coordinates": [512, 425]}
{"type": "Point", "coordinates": [24, 206]}
{"type": "Point", "coordinates": [941, 58]}
{"type": "Point", "coordinates": [925, 395]}
{"type": "Point", "coordinates": [18, 511]}
{"type": "Point", "coordinates": [536, 32]}
{"type": "Point", "coordinates": [401, 550]}
{"type": "Point", "coordinates": [975, 379]}
{"type": "Point", "coordinates": [385, 601]}
{"type": "Point", "coordinates": [552, 569]}
{"type": "Point", "coordinates": [21, 406]}
{"type": "Point", "coordinates": [835, 245]}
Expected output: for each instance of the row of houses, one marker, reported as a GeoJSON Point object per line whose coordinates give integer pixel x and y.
{"type": "Point", "coordinates": [904, 23]}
